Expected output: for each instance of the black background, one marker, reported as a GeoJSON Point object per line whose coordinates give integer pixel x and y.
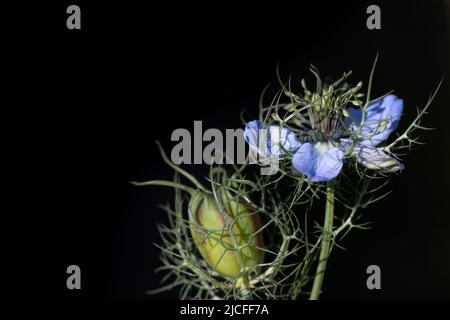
{"type": "Point", "coordinates": [102, 95]}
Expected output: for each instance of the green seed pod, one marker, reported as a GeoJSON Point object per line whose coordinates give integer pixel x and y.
{"type": "Point", "coordinates": [228, 253]}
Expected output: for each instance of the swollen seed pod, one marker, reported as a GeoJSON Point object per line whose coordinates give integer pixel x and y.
{"type": "Point", "coordinates": [226, 233]}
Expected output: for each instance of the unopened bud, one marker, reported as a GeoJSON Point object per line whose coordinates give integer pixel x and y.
{"type": "Point", "coordinates": [227, 234]}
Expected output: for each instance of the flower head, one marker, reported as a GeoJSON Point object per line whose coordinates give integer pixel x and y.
{"type": "Point", "coordinates": [325, 132]}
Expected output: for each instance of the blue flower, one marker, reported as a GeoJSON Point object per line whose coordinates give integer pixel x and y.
{"type": "Point", "coordinates": [322, 160]}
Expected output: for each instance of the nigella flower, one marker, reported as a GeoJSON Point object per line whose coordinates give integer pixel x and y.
{"type": "Point", "coordinates": [333, 134]}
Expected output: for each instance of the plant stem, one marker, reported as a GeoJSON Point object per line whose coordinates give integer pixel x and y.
{"type": "Point", "coordinates": [327, 235]}
{"type": "Point", "coordinates": [164, 183]}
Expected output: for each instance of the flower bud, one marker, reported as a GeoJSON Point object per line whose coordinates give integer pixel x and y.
{"type": "Point", "coordinates": [228, 253]}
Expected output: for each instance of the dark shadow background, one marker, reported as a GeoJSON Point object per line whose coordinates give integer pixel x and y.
{"type": "Point", "coordinates": [133, 74]}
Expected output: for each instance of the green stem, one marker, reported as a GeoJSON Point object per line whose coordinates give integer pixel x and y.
{"type": "Point", "coordinates": [327, 235]}
{"type": "Point", "coordinates": [164, 183]}
{"type": "Point", "coordinates": [180, 170]}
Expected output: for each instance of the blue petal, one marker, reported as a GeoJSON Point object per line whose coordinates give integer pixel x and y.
{"type": "Point", "coordinates": [318, 162]}
{"type": "Point", "coordinates": [282, 138]}
{"type": "Point", "coordinates": [274, 139]}
{"type": "Point", "coordinates": [382, 118]}
{"type": "Point", "coordinates": [251, 134]}
{"type": "Point", "coordinates": [376, 159]}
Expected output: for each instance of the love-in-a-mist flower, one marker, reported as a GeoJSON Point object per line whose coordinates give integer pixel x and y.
{"type": "Point", "coordinates": [323, 131]}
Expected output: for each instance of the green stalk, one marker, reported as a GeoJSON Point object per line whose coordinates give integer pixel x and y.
{"type": "Point", "coordinates": [327, 235]}
{"type": "Point", "coordinates": [164, 183]}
